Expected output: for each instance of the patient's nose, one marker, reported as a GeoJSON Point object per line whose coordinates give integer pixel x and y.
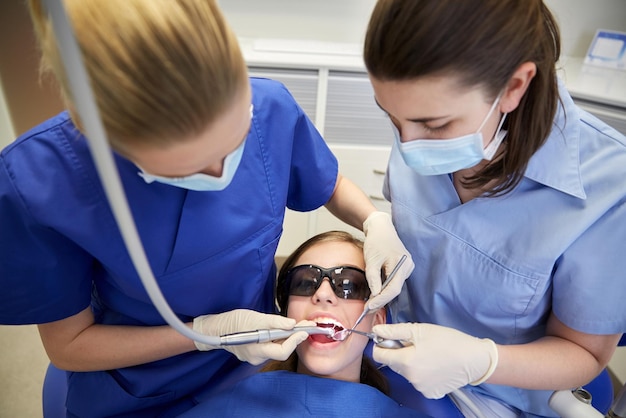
{"type": "Point", "coordinates": [324, 293]}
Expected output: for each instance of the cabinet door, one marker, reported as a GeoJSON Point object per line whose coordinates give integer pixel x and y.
{"type": "Point", "coordinates": [301, 83]}
{"type": "Point", "coordinates": [352, 115]}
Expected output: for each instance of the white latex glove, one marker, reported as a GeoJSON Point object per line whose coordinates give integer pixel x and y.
{"type": "Point", "coordinates": [383, 248]}
{"type": "Point", "coordinates": [440, 360]}
{"type": "Point", "coordinates": [248, 320]}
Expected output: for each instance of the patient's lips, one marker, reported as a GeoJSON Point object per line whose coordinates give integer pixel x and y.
{"type": "Point", "coordinates": [326, 323]}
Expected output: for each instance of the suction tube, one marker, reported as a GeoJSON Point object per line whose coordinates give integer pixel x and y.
{"type": "Point", "coordinates": [83, 98]}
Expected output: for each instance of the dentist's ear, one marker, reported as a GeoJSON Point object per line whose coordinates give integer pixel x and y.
{"type": "Point", "coordinates": [517, 86]}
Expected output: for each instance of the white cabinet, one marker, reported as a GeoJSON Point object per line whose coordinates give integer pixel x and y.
{"type": "Point", "coordinates": [359, 134]}
{"type": "Point", "coordinates": [301, 83]}
{"type": "Point", "coordinates": [365, 166]}
{"type": "Point", "coordinates": [351, 113]}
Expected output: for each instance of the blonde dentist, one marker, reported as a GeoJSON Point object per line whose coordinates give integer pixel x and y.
{"type": "Point", "coordinates": [209, 160]}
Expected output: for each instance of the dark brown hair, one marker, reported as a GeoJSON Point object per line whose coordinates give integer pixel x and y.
{"type": "Point", "coordinates": [482, 43]}
{"type": "Point", "coordinates": [370, 375]}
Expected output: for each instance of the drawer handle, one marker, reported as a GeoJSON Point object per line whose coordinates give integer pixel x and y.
{"type": "Point", "coordinates": [379, 198]}
{"type": "Point", "coordinates": [381, 172]}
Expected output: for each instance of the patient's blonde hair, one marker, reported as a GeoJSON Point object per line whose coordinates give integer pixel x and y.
{"type": "Point", "coordinates": [161, 70]}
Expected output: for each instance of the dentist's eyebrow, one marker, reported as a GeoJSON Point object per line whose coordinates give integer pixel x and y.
{"type": "Point", "coordinates": [416, 120]}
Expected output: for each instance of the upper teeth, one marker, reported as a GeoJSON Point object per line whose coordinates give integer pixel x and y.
{"type": "Point", "coordinates": [328, 321]}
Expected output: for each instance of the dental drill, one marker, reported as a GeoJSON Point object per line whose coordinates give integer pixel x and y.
{"type": "Point", "coordinates": [265, 335]}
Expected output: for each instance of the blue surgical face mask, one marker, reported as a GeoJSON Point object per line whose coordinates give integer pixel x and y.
{"type": "Point", "coordinates": [431, 157]}
{"type": "Point", "coordinates": [201, 181]}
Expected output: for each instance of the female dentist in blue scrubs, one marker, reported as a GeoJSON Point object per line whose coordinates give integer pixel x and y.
{"type": "Point", "coordinates": [209, 160]}
{"type": "Point", "coordinates": [510, 198]}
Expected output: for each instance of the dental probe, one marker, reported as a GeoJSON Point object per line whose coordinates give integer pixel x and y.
{"type": "Point", "coordinates": [265, 335]}
{"type": "Point", "coordinates": [366, 310]}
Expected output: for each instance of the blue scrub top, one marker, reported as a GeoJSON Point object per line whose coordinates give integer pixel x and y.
{"type": "Point", "coordinates": [496, 267]}
{"type": "Point", "coordinates": [210, 252]}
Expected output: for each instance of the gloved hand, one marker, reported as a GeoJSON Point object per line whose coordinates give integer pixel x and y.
{"type": "Point", "coordinates": [440, 360]}
{"type": "Point", "coordinates": [248, 320]}
{"type": "Point", "coordinates": [383, 248]}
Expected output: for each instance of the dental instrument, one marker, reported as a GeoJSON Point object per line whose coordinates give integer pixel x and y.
{"type": "Point", "coordinates": [366, 310]}
{"type": "Point", "coordinates": [379, 341]}
{"type": "Point", "coordinates": [266, 335]}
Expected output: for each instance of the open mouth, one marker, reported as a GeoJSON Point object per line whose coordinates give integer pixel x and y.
{"type": "Point", "coordinates": [327, 323]}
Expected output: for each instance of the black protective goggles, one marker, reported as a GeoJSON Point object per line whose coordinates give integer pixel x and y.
{"type": "Point", "coordinates": [346, 282]}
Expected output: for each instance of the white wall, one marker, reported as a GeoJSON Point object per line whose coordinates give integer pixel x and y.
{"type": "Point", "coordinates": [7, 134]}
{"type": "Point", "coordinates": [346, 20]}
{"type": "Point", "coordinates": [579, 20]}
{"type": "Point", "coordinates": [323, 20]}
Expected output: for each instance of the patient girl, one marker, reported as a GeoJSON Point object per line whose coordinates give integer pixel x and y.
{"type": "Point", "coordinates": [321, 283]}
{"type": "Point", "coordinates": [324, 281]}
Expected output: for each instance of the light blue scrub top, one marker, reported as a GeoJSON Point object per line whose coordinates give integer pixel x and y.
{"type": "Point", "coordinates": [61, 250]}
{"type": "Point", "coordinates": [496, 267]}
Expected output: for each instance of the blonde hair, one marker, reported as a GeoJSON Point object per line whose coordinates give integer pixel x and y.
{"type": "Point", "coordinates": [161, 70]}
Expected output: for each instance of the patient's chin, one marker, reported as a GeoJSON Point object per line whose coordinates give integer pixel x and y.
{"type": "Point", "coordinates": [339, 367]}
{"type": "Point", "coordinates": [332, 359]}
